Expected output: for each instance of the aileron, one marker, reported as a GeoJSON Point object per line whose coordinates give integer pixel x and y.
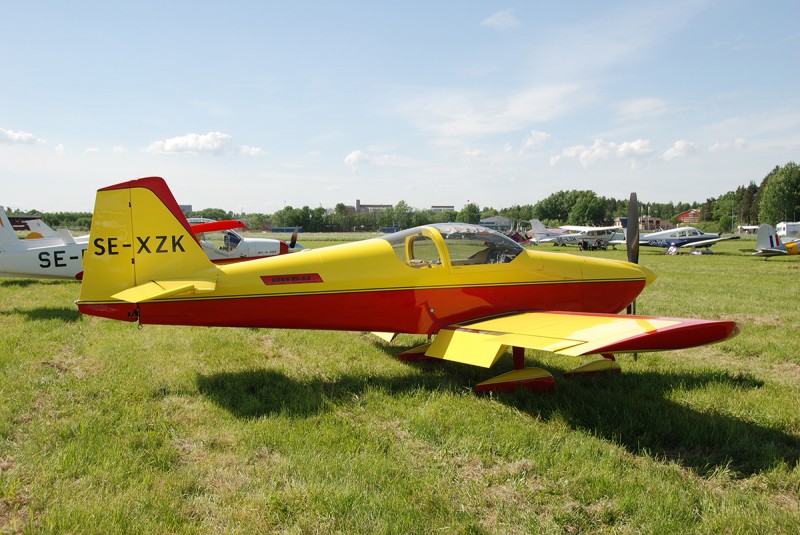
{"type": "Point", "coordinates": [481, 343]}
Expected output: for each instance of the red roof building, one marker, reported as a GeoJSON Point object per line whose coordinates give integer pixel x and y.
{"type": "Point", "coordinates": [689, 216]}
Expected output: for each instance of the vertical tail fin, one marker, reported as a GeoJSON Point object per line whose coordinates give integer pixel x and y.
{"type": "Point", "coordinates": [767, 238]}
{"type": "Point", "coordinates": [140, 247]}
{"type": "Point", "coordinates": [39, 229]}
{"type": "Point", "coordinates": [538, 229]}
{"type": "Point", "coordinates": [8, 238]}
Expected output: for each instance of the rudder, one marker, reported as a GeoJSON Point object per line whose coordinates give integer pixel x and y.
{"type": "Point", "coordinates": [139, 235]}
{"type": "Point", "coordinates": [767, 238]}
{"type": "Point", "coordinates": [8, 238]}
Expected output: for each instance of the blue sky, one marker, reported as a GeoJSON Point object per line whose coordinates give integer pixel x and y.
{"type": "Point", "coordinates": [255, 105]}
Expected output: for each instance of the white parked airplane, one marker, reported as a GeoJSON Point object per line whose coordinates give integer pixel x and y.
{"type": "Point", "coordinates": [223, 245]}
{"type": "Point", "coordinates": [539, 232]}
{"type": "Point", "coordinates": [57, 254]}
{"type": "Point", "coordinates": [571, 234]}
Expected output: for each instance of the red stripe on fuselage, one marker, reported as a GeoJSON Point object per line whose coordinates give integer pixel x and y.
{"type": "Point", "coordinates": [420, 310]}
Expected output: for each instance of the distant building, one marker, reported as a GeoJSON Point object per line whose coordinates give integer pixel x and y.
{"type": "Point", "coordinates": [690, 216]}
{"type": "Point", "coordinates": [439, 208]}
{"type": "Point", "coordinates": [370, 208]}
{"type": "Point", "coordinates": [186, 209]}
{"type": "Point", "coordinates": [647, 222]}
{"type": "Point", "coordinates": [497, 222]}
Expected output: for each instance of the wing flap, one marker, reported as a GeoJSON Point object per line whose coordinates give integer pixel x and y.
{"type": "Point", "coordinates": [481, 343]}
{"type": "Point", "coordinates": [161, 289]}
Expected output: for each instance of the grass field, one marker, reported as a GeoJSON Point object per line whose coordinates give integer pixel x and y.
{"type": "Point", "coordinates": [108, 428]}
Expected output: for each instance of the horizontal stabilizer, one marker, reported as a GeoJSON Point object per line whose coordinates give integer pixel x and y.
{"type": "Point", "coordinates": [161, 289]}
{"type": "Point", "coordinates": [214, 226]}
{"type": "Point", "coordinates": [771, 252]}
{"type": "Point", "coordinates": [481, 343]}
{"type": "Point", "coordinates": [388, 337]}
{"type": "Point", "coordinates": [66, 235]}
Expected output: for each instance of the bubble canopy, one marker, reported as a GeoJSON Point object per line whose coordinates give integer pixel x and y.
{"type": "Point", "coordinates": [459, 243]}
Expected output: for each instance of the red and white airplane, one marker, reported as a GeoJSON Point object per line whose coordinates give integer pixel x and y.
{"type": "Point", "coordinates": [475, 291]}
{"type": "Point", "coordinates": [223, 245]}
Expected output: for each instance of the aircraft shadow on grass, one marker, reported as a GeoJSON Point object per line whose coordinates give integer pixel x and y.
{"type": "Point", "coordinates": [632, 411]}
{"type": "Point", "coordinates": [24, 283]}
{"type": "Point", "coordinates": [65, 314]}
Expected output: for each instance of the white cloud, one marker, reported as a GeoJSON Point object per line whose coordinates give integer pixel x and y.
{"type": "Point", "coordinates": [119, 150]}
{"type": "Point", "coordinates": [12, 136]}
{"type": "Point", "coordinates": [247, 150]}
{"type": "Point", "coordinates": [210, 143]}
{"type": "Point", "coordinates": [637, 151]}
{"type": "Point", "coordinates": [92, 150]}
{"type": "Point", "coordinates": [453, 114]}
{"type": "Point", "coordinates": [640, 147]}
{"type": "Point", "coordinates": [642, 107]}
{"type": "Point", "coordinates": [357, 158]}
{"type": "Point", "coordinates": [213, 142]}
{"type": "Point", "coordinates": [534, 139]}
{"type": "Point", "coordinates": [387, 159]}
{"type": "Point", "coordinates": [680, 149]}
{"type": "Point", "coordinates": [586, 155]}
{"type": "Point", "coordinates": [737, 144]}
{"type": "Point", "coordinates": [501, 20]}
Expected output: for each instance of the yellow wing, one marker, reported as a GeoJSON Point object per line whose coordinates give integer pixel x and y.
{"type": "Point", "coordinates": [482, 342]}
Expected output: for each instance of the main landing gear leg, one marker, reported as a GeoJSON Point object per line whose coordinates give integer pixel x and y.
{"type": "Point", "coordinates": [607, 364]}
{"type": "Point", "coordinates": [521, 377]}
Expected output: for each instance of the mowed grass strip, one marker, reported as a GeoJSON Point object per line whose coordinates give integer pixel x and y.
{"type": "Point", "coordinates": [105, 427]}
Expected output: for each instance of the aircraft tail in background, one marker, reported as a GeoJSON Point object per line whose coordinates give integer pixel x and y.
{"type": "Point", "coordinates": [538, 228]}
{"type": "Point", "coordinates": [768, 243]}
{"type": "Point", "coordinates": [767, 238]}
{"type": "Point", "coordinates": [39, 229]}
{"type": "Point", "coordinates": [8, 238]}
{"type": "Point", "coordinates": [540, 233]}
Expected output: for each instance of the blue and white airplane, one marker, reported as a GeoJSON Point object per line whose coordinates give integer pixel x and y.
{"type": "Point", "coordinates": [683, 237]}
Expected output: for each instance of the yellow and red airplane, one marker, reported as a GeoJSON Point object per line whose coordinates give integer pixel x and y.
{"type": "Point", "coordinates": [475, 291]}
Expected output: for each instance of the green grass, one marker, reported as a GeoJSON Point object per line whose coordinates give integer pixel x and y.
{"type": "Point", "coordinates": [108, 428]}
